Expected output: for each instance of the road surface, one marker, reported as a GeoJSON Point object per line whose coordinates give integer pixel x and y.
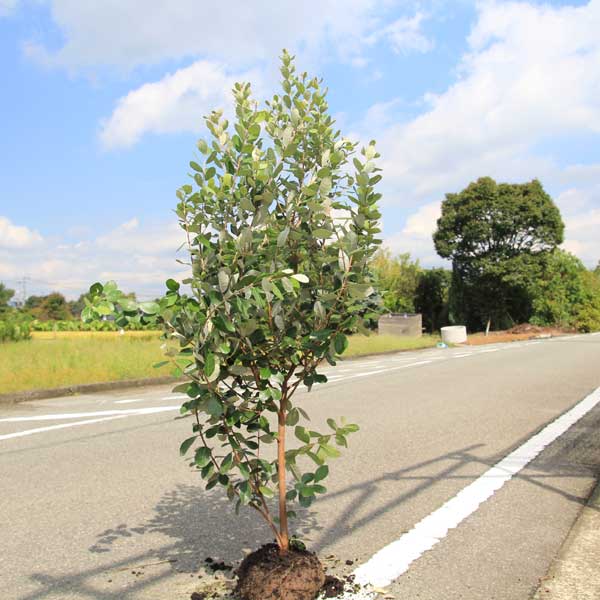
{"type": "Point", "coordinates": [95, 502]}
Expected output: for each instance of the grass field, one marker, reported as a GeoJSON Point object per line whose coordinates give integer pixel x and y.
{"type": "Point", "coordinates": [55, 359]}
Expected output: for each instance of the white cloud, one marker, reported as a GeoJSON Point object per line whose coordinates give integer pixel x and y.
{"type": "Point", "coordinates": [405, 35]}
{"type": "Point", "coordinates": [177, 102]}
{"type": "Point", "coordinates": [139, 255]}
{"type": "Point", "coordinates": [531, 76]}
{"type": "Point", "coordinates": [17, 236]}
{"type": "Point", "coordinates": [127, 33]}
{"type": "Point", "coordinates": [415, 237]}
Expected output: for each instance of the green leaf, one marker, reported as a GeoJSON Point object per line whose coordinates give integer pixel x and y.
{"type": "Point", "coordinates": [223, 281]}
{"type": "Point", "coordinates": [186, 445]}
{"type": "Point", "coordinates": [300, 277]}
{"type": "Point", "coordinates": [282, 237]}
{"type": "Point", "coordinates": [321, 234]}
{"type": "Point", "coordinates": [202, 456]}
{"type": "Point", "coordinates": [266, 492]}
{"type": "Point", "coordinates": [172, 285]}
{"type": "Point", "coordinates": [292, 417]}
{"type": "Point", "coordinates": [195, 166]}
{"type": "Point", "coordinates": [202, 146]}
{"type": "Point", "coordinates": [302, 434]}
{"type": "Point", "coordinates": [330, 450]}
{"type": "Point", "coordinates": [332, 424]}
{"type": "Point", "coordinates": [149, 308]}
{"type": "Point", "coordinates": [209, 364]}
{"type": "Point", "coordinates": [340, 342]}
{"type": "Point", "coordinates": [321, 473]}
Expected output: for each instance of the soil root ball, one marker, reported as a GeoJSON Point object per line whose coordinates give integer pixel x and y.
{"type": "Point", "coordinates": [268, 575]}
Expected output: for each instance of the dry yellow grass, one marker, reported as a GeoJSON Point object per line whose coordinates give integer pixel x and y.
{"type": "Point", "coordinates": [48, 362]}
{"type": "Point", "coordinates": [56, 359]}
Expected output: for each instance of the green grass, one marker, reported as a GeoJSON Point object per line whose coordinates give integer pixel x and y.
{"type": "Point", "coordinates": [68, 358]}
{"type": "Point", "coordinates": [359, 345]}
{"type": "Point", "coordinates": [71, 360]}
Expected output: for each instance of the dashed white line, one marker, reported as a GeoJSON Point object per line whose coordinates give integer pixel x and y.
{"type": "Point", "coordinates": [100, 413]}
{"type": "Point", "coordinates": [61, 426]}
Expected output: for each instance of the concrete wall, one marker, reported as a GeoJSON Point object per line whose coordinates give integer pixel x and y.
{"type": "Point", "coordinates": [402, 324]}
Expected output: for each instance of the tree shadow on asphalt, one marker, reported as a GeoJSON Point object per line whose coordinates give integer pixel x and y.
{"type": "Point", "coordinates": [578, 456]}
{"type": "Point", "coordinates": [194, 524]}
{"type": "Point", "coordinates": [182, 515]}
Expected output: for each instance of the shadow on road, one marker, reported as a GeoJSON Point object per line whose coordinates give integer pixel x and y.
{"type": "Point", "coordinates": [194, 524]}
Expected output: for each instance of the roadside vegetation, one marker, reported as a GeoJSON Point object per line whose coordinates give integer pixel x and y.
{"type": "Point", "coordinates": [503, 241]}
{"type": "Point", "coordinates": [70, 359]}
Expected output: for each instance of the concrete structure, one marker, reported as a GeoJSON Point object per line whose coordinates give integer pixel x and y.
{"type": "Point", "coordinates": [454, 334]}
{"type": "Point", "coordinates": [402, 324]}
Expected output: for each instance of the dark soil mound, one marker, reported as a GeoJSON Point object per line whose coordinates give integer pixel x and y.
{"type": "Point", "coordinates": [268, 575]}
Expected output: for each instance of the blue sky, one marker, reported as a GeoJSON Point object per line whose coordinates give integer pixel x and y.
{"type": "Point", "coordinates": [102, 103]}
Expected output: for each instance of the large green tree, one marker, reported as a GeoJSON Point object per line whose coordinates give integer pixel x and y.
{"type": "Point", "coordinates": [281, 223]}
{"type": "Point", "coordinates": [495, 235]}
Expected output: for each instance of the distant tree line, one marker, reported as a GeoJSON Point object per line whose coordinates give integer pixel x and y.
{"type": "Point", "coordinates": [507, 268]}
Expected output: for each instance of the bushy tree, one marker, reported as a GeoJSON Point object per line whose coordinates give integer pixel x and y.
{"type": "Point", "coordinates": [281, 223]}
{"type": "Point", "coordinates": [431, 297]}
{"type": "Point", "coordinates": [495, 235]}
{"type": "Point", "coordinates": [397, 280]}
{"type": "Point", "coordinates": [53, 307]}
{"type": "Point", "coordinates": [6, 295]}
{"type": "Point", "coordinates": [565, 293]}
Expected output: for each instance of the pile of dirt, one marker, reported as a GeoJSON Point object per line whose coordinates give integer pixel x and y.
{"type": "Point", "coordinates": [268, 575]}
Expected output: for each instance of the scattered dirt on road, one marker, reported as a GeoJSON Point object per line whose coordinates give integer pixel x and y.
{"type": "Point", "coordinates": [524, 331]}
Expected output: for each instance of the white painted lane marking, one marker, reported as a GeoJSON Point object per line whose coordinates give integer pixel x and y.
{"type": "Point", "coordinates": [100, 413]}
{"type": "Point", "coordinates": [395, 559]}
{"type": "Point", "coordinates": [61, 426]}
{"type": "Point", "coordinates": [131, 401]}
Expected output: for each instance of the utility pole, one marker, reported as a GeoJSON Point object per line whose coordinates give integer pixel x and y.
{"type": "Point", "coordinates": [23, 283]}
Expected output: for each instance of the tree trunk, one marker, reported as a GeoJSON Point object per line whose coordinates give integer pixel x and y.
{"type": "Point", "coordinates": [487, 327]}
{"type": "Point", "coordinates": [284, 541]}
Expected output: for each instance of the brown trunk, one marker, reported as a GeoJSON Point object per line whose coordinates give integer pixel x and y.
{"type": "Point", "coordinates": [284, 541]}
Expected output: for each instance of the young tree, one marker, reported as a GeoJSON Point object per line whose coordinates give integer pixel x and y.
{"type": "Point", "coordinates": [492, 232]}
{"type": "Point", "coordinates": [280, 236]}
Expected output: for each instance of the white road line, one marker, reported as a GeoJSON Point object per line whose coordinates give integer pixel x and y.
{"type": "Point", "coordinates": [100, 413]}
{"type": "Point", "coordinates": [130, 401]}
{"type": "Point", "coordinates": [395, 559]}
{"type": "Point", "coordinates": [62, 426]}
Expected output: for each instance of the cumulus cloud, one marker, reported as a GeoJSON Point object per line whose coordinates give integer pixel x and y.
{"type": "Point", "coordinates": [405, 35]}
{"type": "Point", "coordinates": [126, 33]}
{"type": "Point", "coordinates": [174, 103]}
{"type": "Point", "coordinates": [415, 237]}
{"type": "Point", "coordinates": [531, 76]}
{"type": "Point", "coordinates": [139, 255]}
{"type": "Point", "coordinates": [17, 236]}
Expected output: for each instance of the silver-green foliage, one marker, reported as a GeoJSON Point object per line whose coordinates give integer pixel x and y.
{"type": "Point", "coordinates": [281, 221]}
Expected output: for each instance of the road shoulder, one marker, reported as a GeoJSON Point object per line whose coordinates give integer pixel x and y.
{"type": "Point", "coordinates": [574, 573]}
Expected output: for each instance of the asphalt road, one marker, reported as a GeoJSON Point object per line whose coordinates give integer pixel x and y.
{"type": "Point", "coordinates": [90, 494]}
